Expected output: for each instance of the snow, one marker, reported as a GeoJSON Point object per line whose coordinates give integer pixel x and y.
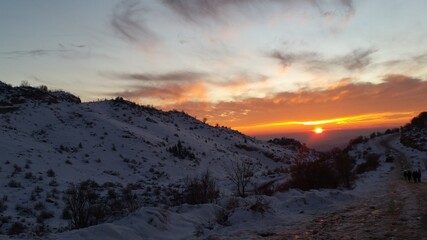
{"type": "Point", "coordinates": [112, 142]}
{"type": "Point", "coordinates": [150, 223]}
{"type": "Point", "coordinates": [115, 142]}
{"type": "Point", "coordinates": [286, 210]}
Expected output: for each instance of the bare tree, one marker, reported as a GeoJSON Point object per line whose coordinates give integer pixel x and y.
{"type": "Point", "coordinates": [77, 202]}
{"type": "Point", "coordinates": [82, 202]}
{"type": "Point", "coordinates": [199, 190]}
{"type": "Point", "coordinates": [240, 173]}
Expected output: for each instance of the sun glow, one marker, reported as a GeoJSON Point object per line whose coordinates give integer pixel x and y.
{"type": "Point", "coordinates": [348, 122]}
{"type": "Point", "coordinates": [318, 130]}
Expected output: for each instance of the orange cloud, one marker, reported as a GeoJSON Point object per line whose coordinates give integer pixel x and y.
{"type": "Point", "coordinates": [167, 94]}
{"type": "Point", "coordinates": [174, 88]}
{"type": "Point", "coordinates": [347, 104]}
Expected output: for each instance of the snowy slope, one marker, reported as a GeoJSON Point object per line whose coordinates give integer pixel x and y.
{"type": "Point", "coordinates": [50, 139]}
{"type": "Point", "coordinates": [285, 210]}
{"type": "Point", "coordinates": [113, 142]}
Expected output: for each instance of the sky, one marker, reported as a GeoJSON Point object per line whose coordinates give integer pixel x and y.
{"type": "Point", "coordinates": [257, 66]}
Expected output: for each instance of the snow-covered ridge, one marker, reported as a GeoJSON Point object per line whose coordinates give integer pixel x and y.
{"type": "Point", "coordinates": [49, 140]}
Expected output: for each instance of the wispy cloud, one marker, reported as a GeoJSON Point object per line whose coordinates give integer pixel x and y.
{"type": "Point", "coordinates": [338, 13]}
{"type": "Point", "coordinates": [130, 17]}
{"type": "Point", "coordinates": [178, 76]}
{"type": "Point", "coordinates": [309, 59]}
{"type": "Point", "coordinates": [195, 10]}
{"type": "Point", "coordinates": [129, 23]}
{"type": "Point", "coordinates": [62, 50]}
{"type": "Point", "coordinates": [30, 53]}
{"type": "Point", "coordinates": [358, 59]}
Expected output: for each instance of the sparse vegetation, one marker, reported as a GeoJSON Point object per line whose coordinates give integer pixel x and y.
{"type": "Point", "coordinates": [286, 142]}
{"type": "Point", "coordinates": [44, 215]}
{"type": "Point", "coordinates": [372, 162]}
{"type": "Point", "coordinates": [3, 206]}
{"type": "Point", "coordinates": [182, 152]}
{"type": "Point", "coordinates": [85, 206]}
{"type": "Point", "coordinates": [147, 147]}
{"type": "Point", "coordinates": [50, 173]}
{"type": "Point", "coordinates": [16, 228]}
{"type": "Point", "coordinates": [14, 184]}
{"type": "Point", "coordinates": [329, 170]}
{"type": "Point", "coordinates": [240, 173]}
{"type": "Point", "coordinates": [81, 203]}
{"type": "Point", "coordinates": [201, 189]}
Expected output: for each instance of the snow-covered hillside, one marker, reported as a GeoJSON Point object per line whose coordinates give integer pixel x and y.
{"type": "Point", "coordinates": [49, 140]}
{"type": "Point", "coordinates": [139, 160]}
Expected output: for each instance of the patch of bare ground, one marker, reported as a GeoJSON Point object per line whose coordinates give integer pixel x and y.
{"type": "Point", "coordinates": [399, 213]}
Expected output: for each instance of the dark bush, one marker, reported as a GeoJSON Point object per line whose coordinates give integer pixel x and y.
{"type": "Point", "coordinates": [129, 200]}
{"type": "Point", "coordinates": [181, 151]}
{"type": "Point", "coordinates": [16, 169]}
{"type": "Point", "coordinates": [313, 175]}
{"type": "Point", "coordinates": [16, 228]}
{"type": "Point", "coordinates": [30, 176]}
{"type": "Point", "coordinates": [286, 142]}
{"type": "Point", "coordinates": [420, 121]}
{"type": "Point", "coordinates": [53, 183]}
{"type": "Point", "coordinates": [66, 213]}
{"type": "Point", "coordinates": [41, 229]}
{"type": "Point", "coordinates": [3, 206]}
{"type": "Point", "coordinates": [330, 170]}
{"type": "Point", "coordinates": [201, 189]}
{"type": "Point", "coordinates": [14, 184]}
{"type": "Point", "coordinates": [80, 200]}
{"type": "Point", "coordinates": [39, 206]}
{"type": "Point", "coordinates": [44, 215]}
{"type": "Point", "coordinates": [343, 166]}
{"type": "Point", "coordinates": [246, 147]}
{"type": "Point", "coordinates": [50, 173]}
{"type": "Point", "coordinates": [85, 205]}
{"type": "Point", "coordinates": [24, 211]}
{"type": "Point", "coordinates": [371, 164]}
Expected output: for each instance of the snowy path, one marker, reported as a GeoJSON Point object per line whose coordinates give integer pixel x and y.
{"type": "Point", "coordinates": [398, 213]}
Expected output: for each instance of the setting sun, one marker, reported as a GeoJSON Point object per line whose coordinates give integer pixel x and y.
{"type": "Point", "coordinates": [318, 130]}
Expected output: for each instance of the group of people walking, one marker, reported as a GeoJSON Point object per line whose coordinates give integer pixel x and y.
{"type": "Point", "coordinates": [412, 175]}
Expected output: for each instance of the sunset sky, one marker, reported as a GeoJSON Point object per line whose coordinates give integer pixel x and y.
{"type": "Point", "coordinates": [258, 66]}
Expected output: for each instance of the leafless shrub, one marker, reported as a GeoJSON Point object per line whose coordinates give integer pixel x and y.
{"type": "Point", "coordinates": [201, 189]}
{"type": "Point", "coordinates": [240, 173]}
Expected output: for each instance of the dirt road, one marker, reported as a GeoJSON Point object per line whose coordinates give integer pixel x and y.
{"type": "Point", "coordinates": [399, 213]}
